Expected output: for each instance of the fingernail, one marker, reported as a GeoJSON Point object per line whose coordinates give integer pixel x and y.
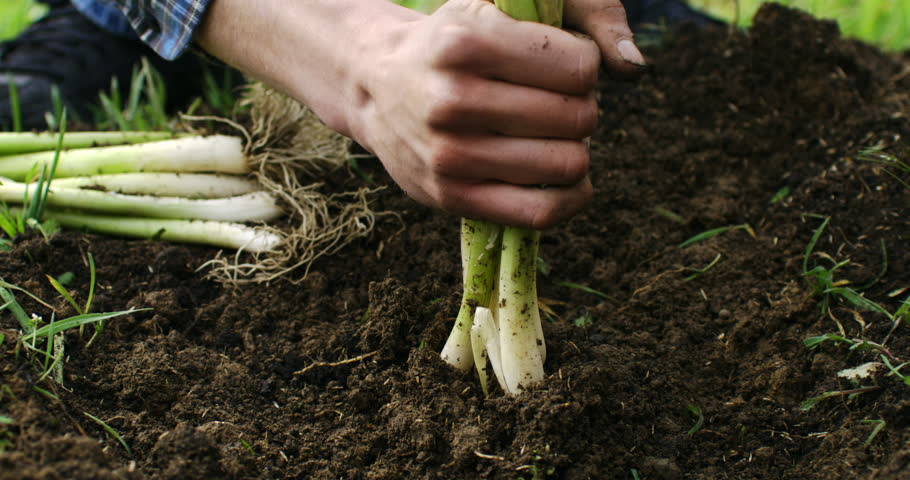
{"type": "Point", "coordinates": [629, 52]}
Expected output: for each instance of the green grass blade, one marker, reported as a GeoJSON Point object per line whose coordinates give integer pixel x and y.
{"type": "Point", "coordinates": [72, 322]}
{"type": "Point", "coordinates": [896, 370]}
{"type": "Point", "coordinates": [137, 86]}
{"type": "Point", "coordinates": [46, 393]}
{"type": "Point", "coordinates": [8, 221]}
{"type": "Point", "coordinates": [858, 300]}
{"type": "Point", "coordinates": [15, 108]}
{"type": "Point", "coordinates": [10, 303]}
{"type": "Point", "coordinates": [699, 419]}
{"type": "Point", "coordinates": [814, 342]}
{"type": "Point", "coordinates": [903, 310]}
{"type": "Point", "coordinates": [91, 285]}
{"type": "Point", "coordinates": [107, 428]}
{"type": "Point", "coordinates": [814, 240]}
{"type": "Point", "coordinates": [879, 425]}
{"type": "Point", "coordinates": [65, 294]}
{"type": "Point", "coordinates": [587, 289]}
{"type": "Point", "coordinates": [57, 102]}
{"type": "Point", "coordinates": [48, 352]}
{"type": "Point", "coordinates": [713, 233]}
{"type": "Point", "coordinates": [42, 200]}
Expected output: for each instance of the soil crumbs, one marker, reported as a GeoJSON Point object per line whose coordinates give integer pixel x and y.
{"type": "Point", "coordinates": [690, 362]}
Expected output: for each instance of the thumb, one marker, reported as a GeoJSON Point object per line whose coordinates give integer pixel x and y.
{"type": "Point", "coordinates": [605, 22]}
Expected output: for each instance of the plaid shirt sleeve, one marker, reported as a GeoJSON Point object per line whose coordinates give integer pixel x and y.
{"type": "Point", "coordinates": [165, 25]}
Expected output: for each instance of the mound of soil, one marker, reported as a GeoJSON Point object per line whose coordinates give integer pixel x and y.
{"type": "Point", "coordinates": [690, 364]}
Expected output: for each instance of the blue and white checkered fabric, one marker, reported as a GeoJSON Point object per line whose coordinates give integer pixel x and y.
{"type": "Point", "coordinates": [165, 25]}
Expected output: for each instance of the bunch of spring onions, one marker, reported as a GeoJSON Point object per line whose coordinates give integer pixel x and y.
{"type": "Point", "coordinates": [499, 317]}
{"type": "Point", "coordinates": [140, 184]}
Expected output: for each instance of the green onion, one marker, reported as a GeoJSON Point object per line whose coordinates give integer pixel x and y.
{"type": "Point", "coordinates": [26, 142]}
{"type": "Point", "coordinates": [216, 153]}
{"type": "Point", "coordinates": [222, 234]}
{"type": "Point", "coordinates": [481, 247]}
{"type": "Point", "coordinates": [188, 185]}
{"type": "Point", "coordinates": [504, 328]}
{"type": "Point", "coordinates": [521, 342]}
{"type": "Point", "coordinates": [256, 206]}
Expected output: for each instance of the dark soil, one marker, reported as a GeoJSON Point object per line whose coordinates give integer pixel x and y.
{"type": "Point", "coordinates": [209, 385]}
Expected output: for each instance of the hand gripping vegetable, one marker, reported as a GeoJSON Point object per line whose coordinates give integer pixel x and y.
{"type": "Point", "coordinates": [504, 327]}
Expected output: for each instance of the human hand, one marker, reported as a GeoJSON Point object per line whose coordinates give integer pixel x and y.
{"type": "Point", "coordinates": [471, 112]}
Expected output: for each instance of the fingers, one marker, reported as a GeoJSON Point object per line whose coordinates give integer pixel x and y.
{"type": "Point", "coordinates": [465, 102]}
{"type": "Point", "coordinates": [529, 207]}
{"type": "Point", "coordinates": [472, 112]}
{"type": "Point", "coordinates": [605, 21]}
{"type": "Point", "coordinates": [520, 161]}
{"type": "Point", "coordinates": [489, 43]}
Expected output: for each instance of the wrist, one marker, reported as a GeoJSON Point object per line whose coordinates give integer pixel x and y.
{"type": "Point", "coordinates": [314, 51]}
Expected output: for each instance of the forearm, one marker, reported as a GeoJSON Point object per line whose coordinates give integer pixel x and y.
{"type": "Point", "coordinates": [309, 49]}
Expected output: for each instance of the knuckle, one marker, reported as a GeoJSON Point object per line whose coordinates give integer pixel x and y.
{"type": "Point", "coordinates": [575, 164]}
{"type": "Point", "coordinates": [446, 197]}
{"type": "Point", "coordinates": [588, 66]}
{"type": "Point", "coordinates": [454, 44]}
{"type": "Point", "coordinates": [586, 118]}
{"type": "Point", "coordinates": [447, 102]}
{"type": "Point", "coordinates": [544, 216]}
{"type": "Point", "coordinates": [445, 156]}
{"type": "Point", "coordinates": [552, 210]}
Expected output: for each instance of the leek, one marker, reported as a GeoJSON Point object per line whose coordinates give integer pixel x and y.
{"type": "Point", "coordinates": [27, 142]}
{"type": "Point", "coordinates": [216, 153]}
{"type": "Point", "coordinates": [257, 206]}
{"type": "Point", "coordinates": [222, 234]}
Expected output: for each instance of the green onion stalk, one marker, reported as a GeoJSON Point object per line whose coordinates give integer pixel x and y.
{"type": "Point", "coordinates": [214, 153]}
{"type": "Point", "coordinates": [248, 207]}
{"type": "Point", "coordinates": [138, 184]}
{"type": "Point", "coordinates": [22, 142]}
{"type": "Point", "coordinates": [206, 232]}
{"type": "Point", "coordinates": [499, 319]}
{"type": "Point", "coordinates": [480, 251]}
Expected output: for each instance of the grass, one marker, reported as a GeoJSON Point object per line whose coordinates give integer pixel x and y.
{"type": "Point", "coordinates": [878, 426]}
{"type": "Point", "coordinates": [896, 370]}
{"type": "Point", "coordinates": [697, 272]}
{"type": "Point", "coordinates": [881, 22]}
{"type": "Point", "coordinates": [823, 284]}
{"type": "Point", "coordinates": [699, 419]}
{"type": "Point", "coordinates": [849, 394]}
{"type": "Point", "coordinates": [110, 431]}
{"type": "Point", "coordinates": [144, 108]}
{"type": "Point", "coordinates": [33, 206]}
{"type": "Point", "coordinates": [44, 343]}
{"type": "Point", "coordinates": [715, 232]}
{"type": "Point", "coordinates": [44, 348]}
{"type": "Point", "coordinates": [889, 164]}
